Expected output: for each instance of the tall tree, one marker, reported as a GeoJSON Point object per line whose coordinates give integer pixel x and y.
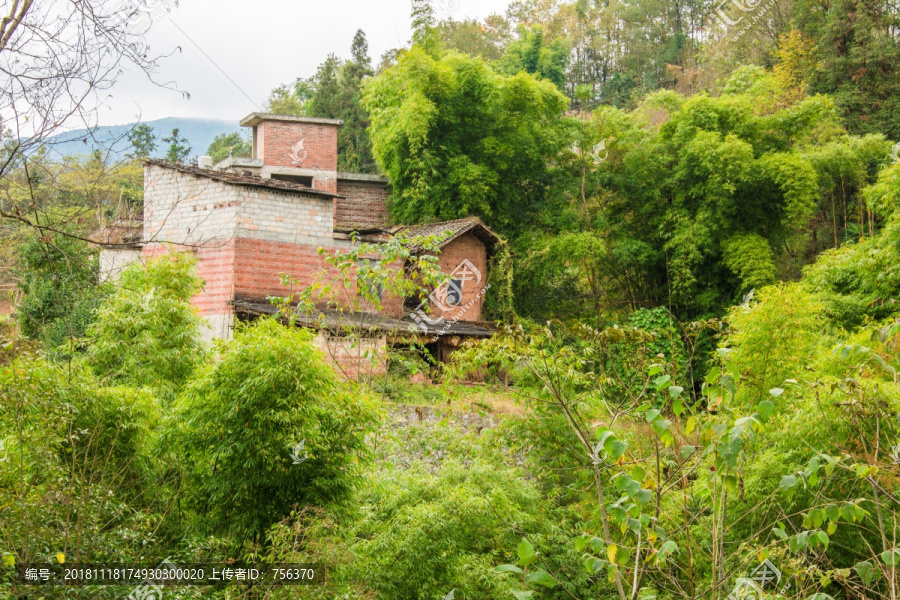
{"type": "Point", "coordinates": [456, 138]}
{"type": "Point", "coordinates": [857, 52]}
{"type": "Point", "coordinates": [535, 54]}
{"type": "Point", "coordinates": [423, 21]}
{"type": "Point", "coordinates": [229, 144]}
{"type": "Point", "coordinates": [179, 149]}
{"type": "Point", "coordinates": [143, 141]}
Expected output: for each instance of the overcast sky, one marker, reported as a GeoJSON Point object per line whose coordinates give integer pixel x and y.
{"type": "Point", "coordinates": [259, 44]}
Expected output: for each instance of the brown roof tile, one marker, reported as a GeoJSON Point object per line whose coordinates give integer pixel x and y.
{"type": "Point", "coordinates": [456, 229]}
{"type": "Point", "coordinates": [243, 180]}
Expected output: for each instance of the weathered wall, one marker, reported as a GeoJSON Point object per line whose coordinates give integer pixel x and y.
{"type": "Point", "coordinates": [184, 209]}
{"type": "Point", "coordinates": [354, 358]}
{"type": "Point", "coordinates": [365, 205]}
{"type": "Point", "coordinates": [466, 246]}
{"type": "Point", "coordinates": [259, 264]}
{"type": "Point", "coordinates": [284, 217]}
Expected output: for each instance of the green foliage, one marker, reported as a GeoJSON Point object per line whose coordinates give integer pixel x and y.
{"type": "Point", "coordinates": [146, 333]}
{"type": "Point", "coordinates": [458, 139]}
{"type": "Point", "coordinates": [425, 535]}
{"type": "Point", "coordinates": [335, 92]}
{"type": "Point", "coordinates": [750, 258]}
{"type": "Point", "coordinates": [76, 474]}
{"type": "Point", "coordinates": [143, 141]}
{"type": "Point", "coordinates": [884, 195]}
{"type": "Point", "coordinates": [469, 36]}
{"type": "Point", "coordinates": [291, 99]}
{"type": "Point", "coordinates": [855, 61]}
{"type": "Point", "coordinates": [229, 144]}
{"type": "Point", "coordinates": [58, 276]}
{"type": "Point", "coordinates": [179, 149]}
{"type": "Point", "coordinates": [499, 304]}
{"type": "Point", "coordinates": [268, 427]}
{"type": "Point", "coordinates": [533, 53]}
{"type": "Point", "coordinates": [692, 202]}
{"type": "Point", "coordinates": [774, 336]}
{"type": "Point", "coordinates": [859, 282]}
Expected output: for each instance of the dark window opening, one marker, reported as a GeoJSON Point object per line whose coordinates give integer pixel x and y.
{"type": "Point", "coordinates": [301, 179]}
{"type": "Point", "coordinates": [454, 292]}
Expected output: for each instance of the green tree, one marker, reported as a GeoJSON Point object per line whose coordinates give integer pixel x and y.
{"type": "Point", "coordinates": [698, 200]}
{"type": "Point", "coordinates": [338, 96]}
{"type": "Point", "coordinates": [535, 54]}
{"type": "Point", "coordinates": [59, 278]}
{"type": "Point", "coordinates": [423, 21]}
{"type": "Point", "coordinates": [143, 141]}
{"type": "Point", "coordinates": [179, 149]}
{"type": "Point", "coordinates": [335, 92]}
{"type": "Point", "coordinates": [469, 36]}
{"type": "Point", "coordinates": [76, 457]}
{"type": "Point", "coordinates": [268, 427]}
{"type": "Point", "coordinates": [147, 333]}
{"type": "Point", "coordinates": [855, 60]}
{"type": "Point", "coordinates": [292, 99]}
{"type": "Point", "coordinates": [458, 139]}
{"type": "Point", "coordinates": [229, 144]}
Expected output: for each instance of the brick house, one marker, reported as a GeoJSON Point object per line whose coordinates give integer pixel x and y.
{"type": "Point", "coordinates": [250, 220]}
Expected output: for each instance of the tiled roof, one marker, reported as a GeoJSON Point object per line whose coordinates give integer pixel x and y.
{"type": "Point", "coordinates": [370, 321]}
{"type": "Point", "coordinates": [244, 180]}
{"type": "Point", "coordinates": [456, 229]}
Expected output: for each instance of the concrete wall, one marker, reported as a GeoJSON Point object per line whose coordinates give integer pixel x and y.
{"type": "Point", "coordinates": [284, 217]}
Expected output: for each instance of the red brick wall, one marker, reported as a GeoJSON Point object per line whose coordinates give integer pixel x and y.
{"type": "Point", "coordinates": [276, 139]}
{"type": "Point", "coordinates": [464, 247]}
{"type": "Point", "coordinates": [216, 267]}
{"type": "Point", "coordinates": [259, 263]}
{"type": "Point", "coordinates": [365, 205]}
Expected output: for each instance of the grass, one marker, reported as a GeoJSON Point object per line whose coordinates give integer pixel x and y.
{"type": "Point", "coordinates": [486, 398]}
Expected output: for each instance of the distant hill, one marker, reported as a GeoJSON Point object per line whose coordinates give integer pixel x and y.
{"type": "Point", "coordinates": [199, 133]}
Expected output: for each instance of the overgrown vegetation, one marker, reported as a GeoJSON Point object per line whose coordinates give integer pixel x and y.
{"type": "Point", "coordinates": [695, 368]}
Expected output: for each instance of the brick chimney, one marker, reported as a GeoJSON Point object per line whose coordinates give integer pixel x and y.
{"type": "Point", "coordinates": [298, 149]}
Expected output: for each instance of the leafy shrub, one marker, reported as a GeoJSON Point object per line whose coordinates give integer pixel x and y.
{"type": "Point", "coordinates": [77, 475]}
{"type": "Point", "coordinates": [60, 283]}
{"type": "Point", "coordinates": [270, 396]}
{"type": "Point", "coordinates": [147, 333]}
